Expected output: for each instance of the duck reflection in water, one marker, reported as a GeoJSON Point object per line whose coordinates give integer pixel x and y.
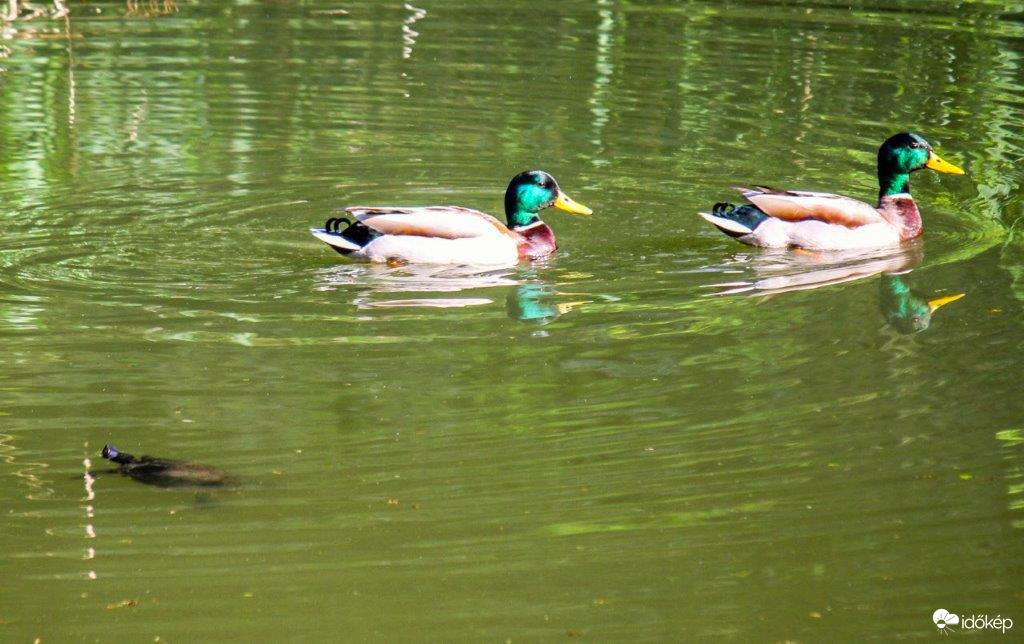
{"type": "Point", "coordinates": [535, 302]}
{"type": "Point", "coordinates": [538, 301]}
{"type": "Point", "coordinates": [904, 310]}
{"type": "Point", "coordinates": [531, 299]}
{"type": "Point", "coordinates": [377, 284]}
{"type": "Point", "coordinates": [787, 271]}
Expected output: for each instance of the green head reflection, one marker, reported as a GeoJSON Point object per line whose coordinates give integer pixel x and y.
{"type": "Point", "coordinates": [906, 311]}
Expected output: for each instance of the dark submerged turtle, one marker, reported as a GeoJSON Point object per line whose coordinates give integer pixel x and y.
{"type": "Point", "coordinates": [165, 472]}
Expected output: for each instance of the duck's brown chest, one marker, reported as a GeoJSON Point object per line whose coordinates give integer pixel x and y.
{"type": "Point", "coordinates": [902, 212]}
{"type": "Point", "coordinates": [536, 241]}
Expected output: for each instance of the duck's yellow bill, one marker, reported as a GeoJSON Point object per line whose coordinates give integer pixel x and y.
{"type": "Point", "coordinates": [933, 305]}
{"type": "Point", "coordinates": [937, 164]}
{"type": "Point", "coordinates": [563, 202]}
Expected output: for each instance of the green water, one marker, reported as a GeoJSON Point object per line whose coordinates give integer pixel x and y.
{"type": "Point", "coordinates": [592, 448]}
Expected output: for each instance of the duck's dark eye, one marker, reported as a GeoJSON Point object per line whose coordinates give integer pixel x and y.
{"type": "Point", "coordinates": [915, 144]}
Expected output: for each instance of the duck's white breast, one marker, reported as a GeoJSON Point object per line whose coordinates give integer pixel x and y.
{"type": "Point", "coordinates": [492, 250]}
{"type": "Point", "coordinates": [817, 235]}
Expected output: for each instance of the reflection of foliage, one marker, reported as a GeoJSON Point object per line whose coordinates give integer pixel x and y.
{"type": "Point", "coordinates": [1012, 259]}
{"type": "Point", "coordinates": [798, 82]}
{"type": "Point", "coordinates": [23, 10]}
{"type": "Point", "coordinates": [149, 8]}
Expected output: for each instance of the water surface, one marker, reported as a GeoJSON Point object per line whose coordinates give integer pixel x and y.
{"type": "Point", "coordinates": [595, 446]}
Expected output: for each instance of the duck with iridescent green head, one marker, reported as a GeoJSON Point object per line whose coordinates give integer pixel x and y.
{"type": "Point", "coordinates": [453, 234]}
{"type": "Point", "coordinates": [824, 221]}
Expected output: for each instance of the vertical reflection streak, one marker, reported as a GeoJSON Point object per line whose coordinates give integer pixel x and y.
{"type": "Point", "coordinates": [409, 35]}
{"type": "Point", "coordinates": [602, 79]}
{"type": "Point", "coordinates": [90, 495]}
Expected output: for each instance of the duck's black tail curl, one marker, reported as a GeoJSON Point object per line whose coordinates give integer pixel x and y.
{"type": "Point", "coordinates": [355, 232]}
{"type": "Point", "coordinates": [736, 221]}
{"type": "Point", "coordinates": [333, 225]}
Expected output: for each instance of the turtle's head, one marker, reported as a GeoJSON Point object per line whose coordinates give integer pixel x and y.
{"type": "Point", "coordinates": [111, 453]}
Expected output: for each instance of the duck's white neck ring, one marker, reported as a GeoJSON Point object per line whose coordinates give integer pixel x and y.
{"type": "Point", "coordinates": [529, 226]}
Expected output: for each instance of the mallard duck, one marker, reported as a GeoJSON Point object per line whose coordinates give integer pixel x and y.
{"type": "Point", "coordinates": [823, 221]}
{"type": "Point", "coordinates": [452, 234]}
{"type": "Point", "coordinates": [164, 472]}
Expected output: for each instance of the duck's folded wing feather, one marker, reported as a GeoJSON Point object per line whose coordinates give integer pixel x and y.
{"type": "Point", "coordinates": [794, 205]}
{"type": "Point", "coordinates": [446, 222]}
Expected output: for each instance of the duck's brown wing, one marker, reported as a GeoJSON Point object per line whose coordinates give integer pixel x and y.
{"type": "Point", "coordinates": [795, 205]}
{"type": "Point", "coordinates": [446, 222]}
